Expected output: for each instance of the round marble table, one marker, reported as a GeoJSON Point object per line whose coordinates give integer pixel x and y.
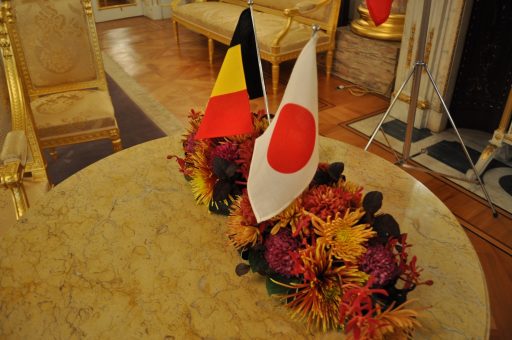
{"type": "Point", "coordinates": [120, 250]}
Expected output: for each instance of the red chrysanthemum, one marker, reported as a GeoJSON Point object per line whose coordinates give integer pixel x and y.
{"type": "Point", "coordinates": [324, 200]}
{"type": "Point", "coordinates": [379, 262]}
{"type": "Point", "coordinates": [245, 151]}
{"type": "Point", "coordinates": [278, 252]}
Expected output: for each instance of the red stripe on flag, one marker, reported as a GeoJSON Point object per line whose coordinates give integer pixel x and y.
{"type": "Point", "coordinates": [293, 139]}
{"type": "Point", "coordinates": [226, 115]}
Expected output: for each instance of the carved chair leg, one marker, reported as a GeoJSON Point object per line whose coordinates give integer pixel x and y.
{"type": "Point", "coordinates": [115, 137]}
{"type": "Point", "coordinates": [116, 145]}
{"type": "Point", "coordinates": [275, 78]}
{"type": "Point", "coordinates": [211, 47]}
{"type": "Point", "coordinates": [176, 32]}
{"type": "Point", "coordinates": [328, 63]}
{"type": "Point", "coordinates": [53, 153]}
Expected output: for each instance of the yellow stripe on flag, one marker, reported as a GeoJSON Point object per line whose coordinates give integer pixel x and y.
{"type": "Point", "coordinates": [231, 75]}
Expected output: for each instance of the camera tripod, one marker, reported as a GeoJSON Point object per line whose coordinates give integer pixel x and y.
{"type": "Point", "coordinates": [419, 66]}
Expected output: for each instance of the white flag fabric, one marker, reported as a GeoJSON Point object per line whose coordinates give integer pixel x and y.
{"type": "Point", "coordinates": [285, 156]}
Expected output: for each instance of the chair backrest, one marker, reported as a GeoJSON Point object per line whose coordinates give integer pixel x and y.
{"type": "Point", "coordinates": [15, 112]}
{"type": "Point", "coordinates": [326, 16]}
{"type": "Point", "coordinates": [56, 45]}
{"type": "Point", "coordinates": [5, 106]}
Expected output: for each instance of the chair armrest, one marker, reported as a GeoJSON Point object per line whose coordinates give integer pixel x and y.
{"type": "Point", "coordinates": [13, 158]}
{"type": "Point", "coordinates": [298, 9]}
{"type": "Point", "coordinates": [11, 173]}
{"type": "Point", "coordinates": [305, 7]}
{"type": "Point", "coordinates": [15, 148]}
{"type": "Point", "coordinates": [11, 177]}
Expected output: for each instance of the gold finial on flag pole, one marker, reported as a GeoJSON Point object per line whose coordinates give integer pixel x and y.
{"type": "Point", "coordinates": [315, 28]}
{"type": "Point", "coordinates": [250, 3]}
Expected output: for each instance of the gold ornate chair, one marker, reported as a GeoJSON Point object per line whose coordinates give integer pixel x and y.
{"type": "Point", "coordinates": [56, 48]}
{"type": "Point", "coordinates": [20, 154]}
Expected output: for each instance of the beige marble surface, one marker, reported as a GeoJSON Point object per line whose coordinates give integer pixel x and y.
{"type": "Point", "coordinates": [120, 251]}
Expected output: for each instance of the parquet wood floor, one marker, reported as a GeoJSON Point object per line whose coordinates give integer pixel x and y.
{"type": "Point", "coordinates": [181, 78]}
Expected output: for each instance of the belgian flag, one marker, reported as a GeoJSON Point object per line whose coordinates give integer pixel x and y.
{"type": "Point", "coordinates": [228, 111]}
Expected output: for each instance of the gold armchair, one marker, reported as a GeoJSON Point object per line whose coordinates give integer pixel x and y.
{"type": "Point", "coordinates": [19, 148]}
{"type": "Point", "coordinates": [57, 52]}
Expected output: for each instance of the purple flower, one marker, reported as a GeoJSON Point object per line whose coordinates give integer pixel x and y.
{"type": "Point", "coordinates": [379, 262]}
{"type": "Point", "coordinates": [278, 250]}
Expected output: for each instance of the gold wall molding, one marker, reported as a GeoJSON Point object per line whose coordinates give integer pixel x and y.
{"type": "Point", "coordinates": [410, 45]}
{"type": "Point", "coordinates": [428, 47]}
{"type": "Point", "coordinates": [422, 104]}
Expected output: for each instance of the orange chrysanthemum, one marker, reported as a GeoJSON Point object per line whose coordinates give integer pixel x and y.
{"type": "Point", "coordinates": [241, 229]}
{"type": "Point", "coordinates": [290, 216]}
{"type": "Point", "coordinates": [317, 299]}
{"type": "Point", "coordinates": [342, 235]}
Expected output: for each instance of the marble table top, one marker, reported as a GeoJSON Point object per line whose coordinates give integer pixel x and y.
{"type": "Point", "coordinates": [120, 250]}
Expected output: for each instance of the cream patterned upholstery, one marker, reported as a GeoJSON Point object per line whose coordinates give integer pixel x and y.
{"type": "Point", "coordinates": [65, 112]}
{"type": "Point", "coordinates": [282, 27]}
{"type": "Point", "coordinates": [57, 50]}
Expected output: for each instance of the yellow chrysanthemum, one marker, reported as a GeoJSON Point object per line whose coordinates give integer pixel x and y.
{"type": "Point", "coordinates": [203, 180]}
{"type": "Point", "coordinates": [343, 236]}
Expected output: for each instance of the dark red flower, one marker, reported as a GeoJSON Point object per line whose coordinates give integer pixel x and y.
{"type": "Point", "coordinates": [379, 262]}
{"type": "Point", "coordinates": [278, 252]}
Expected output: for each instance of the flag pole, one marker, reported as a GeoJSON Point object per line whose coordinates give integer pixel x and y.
{"type": "Point", "coordinates": [250, 3]}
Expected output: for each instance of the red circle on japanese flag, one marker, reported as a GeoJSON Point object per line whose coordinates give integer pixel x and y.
{"type": "Point", "coordinates": [293, 139]}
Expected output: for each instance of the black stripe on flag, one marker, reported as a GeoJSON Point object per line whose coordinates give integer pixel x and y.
{"type": "Point", "coordinates": [244, 35]}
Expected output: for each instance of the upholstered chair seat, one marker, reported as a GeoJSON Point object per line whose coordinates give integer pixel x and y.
{"type": "Point", "coordinates": [69, 113]}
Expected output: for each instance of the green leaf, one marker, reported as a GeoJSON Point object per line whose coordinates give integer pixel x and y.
{"type": "Point", "coordinates": [335, 170]}
{"type": "Point", "coordinates": [372, 202]}
{"type": "Point", "coordinates": [257, 260]}
{"type": "Point", "coordinates": [386, 226]}
{"type": "Point", "coordinates": [274, 288]}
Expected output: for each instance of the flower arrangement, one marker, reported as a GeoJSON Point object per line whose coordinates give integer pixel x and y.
{"type": "Point", "coordinates": [331, 256]}
{"type": "Point", "coordinates": [217, 168]}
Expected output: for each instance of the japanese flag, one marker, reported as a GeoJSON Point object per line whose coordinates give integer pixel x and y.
{"type": "Point", "coordinates": [285, 157]}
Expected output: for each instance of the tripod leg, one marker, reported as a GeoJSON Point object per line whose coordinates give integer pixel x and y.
{"type": "Point", "coordinates": [494, 213]}
{"type": "Point", "coordinates": [389, 108]}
